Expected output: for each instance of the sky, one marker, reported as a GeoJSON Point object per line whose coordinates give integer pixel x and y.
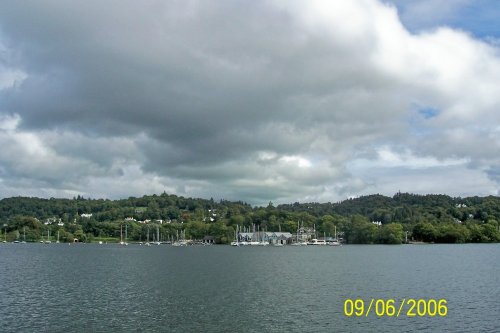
{"type": "Point", "coordinates": [258, 101]}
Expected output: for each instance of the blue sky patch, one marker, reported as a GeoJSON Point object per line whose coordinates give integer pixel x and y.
{"type": "Point", "coordinates": [479, 17]}
{"type": "Point", "coordinates": [428, 112]}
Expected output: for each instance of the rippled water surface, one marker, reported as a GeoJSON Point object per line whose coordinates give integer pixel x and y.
{"type": "Point", "coordinates": [112, 288]}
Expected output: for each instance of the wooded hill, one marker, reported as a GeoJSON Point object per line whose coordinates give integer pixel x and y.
{"type": "Point", "coordinates": [430, 218]}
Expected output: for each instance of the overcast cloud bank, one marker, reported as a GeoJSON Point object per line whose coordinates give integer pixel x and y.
{"type": "Point", "coordinates": [253, 101]}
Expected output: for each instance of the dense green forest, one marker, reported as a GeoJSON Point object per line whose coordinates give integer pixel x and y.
{"type": "Point", "coordinates": [364, 220]}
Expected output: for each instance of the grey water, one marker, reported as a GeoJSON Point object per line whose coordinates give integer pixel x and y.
{"type": "Point", "coordinates": [113, 288]}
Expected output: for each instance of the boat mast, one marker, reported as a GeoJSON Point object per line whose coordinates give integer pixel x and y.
{"type": "Point", "coordinates": [298, 228]}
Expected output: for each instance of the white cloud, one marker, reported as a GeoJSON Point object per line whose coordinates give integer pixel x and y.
{"type": "Point", "coordinates": [297, 161]}
{"type": "Point", "coordinates": [390, 159]}
{"type": "Point", "coordinates": [9, 122]}
{"type": "Point", "coordinates": [11, 78]}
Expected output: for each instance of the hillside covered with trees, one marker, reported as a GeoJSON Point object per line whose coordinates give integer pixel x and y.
{"type": "Point", "coordinates": [364, 220]}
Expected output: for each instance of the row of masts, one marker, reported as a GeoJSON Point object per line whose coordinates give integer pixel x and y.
{"type": "Point", "coordinates": [244, 229]}
{"type": "Point", "coordinates": [123, 241]}
{"type": "Point", "coordinates": [24, 237]}
{"type": "Point", "coordinates": [48, 241]}
{"type": "Point", "coordinates": [298, 241]}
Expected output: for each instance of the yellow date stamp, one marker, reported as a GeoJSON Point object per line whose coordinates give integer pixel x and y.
{"type": "Point", "coordinates": [410, 307]}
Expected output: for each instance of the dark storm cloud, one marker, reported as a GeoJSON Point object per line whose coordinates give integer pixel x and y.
{"type": "Point", "coordinates": [188, 68]}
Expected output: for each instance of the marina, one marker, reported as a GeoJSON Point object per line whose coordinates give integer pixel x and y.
{"type": "Point", "coordinates": [304, 236]}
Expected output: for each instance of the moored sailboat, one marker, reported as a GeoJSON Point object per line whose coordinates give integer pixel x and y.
{"type": "Point", "coordinates": [48, 241]}
{"type": "Point", "coordinates": [236, 242]}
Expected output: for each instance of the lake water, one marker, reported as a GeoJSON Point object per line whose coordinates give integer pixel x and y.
{"type": "Point", "coordinates": [112, 288]}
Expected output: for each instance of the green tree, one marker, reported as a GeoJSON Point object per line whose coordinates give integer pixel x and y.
{"type": "Point", "coordinates": [425, 232]}
{"type": "Point", "coordinates": [360, 231]}
{"type": "Point", "coordinates": [80, 235]}
{"type": "Point", "coordinates": [391, 234]}
{"type": "Point", "coordinates": [222, 233]}
{"type": "Point", "coordinates": [327, 225]}
{"type": "Point", "coordinates": [491, 232]}
{"type": "Point", "coordinates": [452, 233]}
{"type": "Point", "coordinates": [196, 230]}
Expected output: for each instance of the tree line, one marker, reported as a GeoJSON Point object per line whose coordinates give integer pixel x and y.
{"type": "Point", "coordinates": [373, 219]}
